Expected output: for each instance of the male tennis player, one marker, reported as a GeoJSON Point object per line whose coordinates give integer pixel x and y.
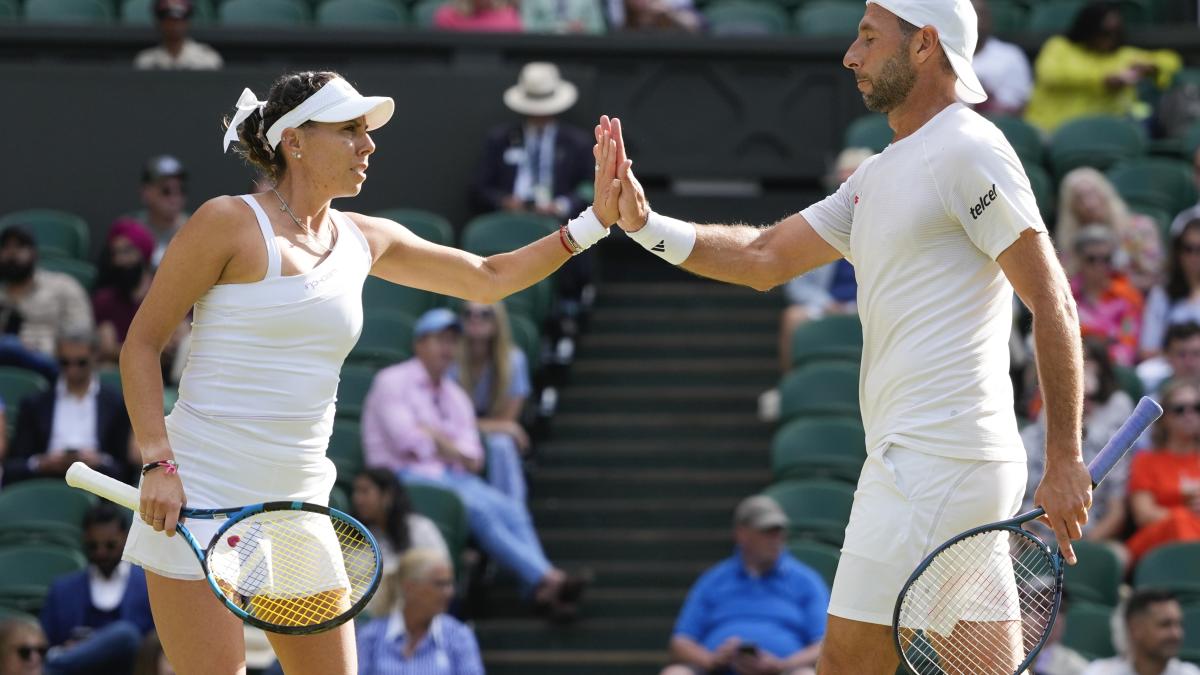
{"type": "Point", "coordinates": [941, 228]}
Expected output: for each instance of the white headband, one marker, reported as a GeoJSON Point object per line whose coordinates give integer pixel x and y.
{"type": "Point", "coordinates": [337, 101]}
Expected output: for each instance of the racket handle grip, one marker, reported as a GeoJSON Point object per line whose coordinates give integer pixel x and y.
{"type": "Point", "coordinates": [82, 476]}
{"type": "Point", "coordinates": [1146, 412]}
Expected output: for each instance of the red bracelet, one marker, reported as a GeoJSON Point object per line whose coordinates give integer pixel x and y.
{"type": "Point", "coordinates": [168, 465]}
{"type": "Point", "coordinates": [562, 239]}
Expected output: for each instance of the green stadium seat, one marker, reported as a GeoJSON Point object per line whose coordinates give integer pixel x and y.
{"type": "Point", "coordinates": [1096, 577]}
{"type": "Point", "coordinates": [1043, 189]}
{"type": "Point", "coordinates": [502, 231]}
{"type": "Point", "coordinates": [828, 388]}
{"type": "Point", "coordinates": [44, 500]}
{"type": "Point", "coordinates": [829, 18]}
{"type": "Point", "coordinates": [1089, 630]}
{"type": "Point", "coordinates": [1098, 141]}
{"type": "Point", "coordinates": [380, 295]}
{"type": "Point", "coordinates": [58, 233]}
{"type": "Point", "coordinates": [819, 448]}
{"type": "Point", "coordinates": [817, 509]}
{"type": "Point", "coordinates": [140, 12]}
{"type": "Point", "coordinates": [1171, 567]}
{"type": "Point", "coordinates": [40, 532]}
{"type": "Point", "coordinates": [1191, 634]}
{"type": "Point", "coordinates": [832, 338]}
{"type": "Point", "coordinates": [746, 17]}
{"type": "Point", "coordinates": [1154, 181]}
{"type": "Point", "coordinates": [38, 565]}
{"type": "Point", "coordinates": [360, 14]}
{"type": "Point", "coordinates": [80, 270]}
{"type": "Point", "coordinates": [1129, 382]}
{"type": "Point", "coordinates": [823, 558]}
{"type": "Point", "coordinates": [869, 131]}
{"type": "Point", "coordinates": [1137, 12]}
{"type": "Point", "coordinates": [284, 13]}
{"type": "Point", "coordinates": [534, 302]}
{"type": "Point", "coordinates": [1023, 136]}
{"type": "Point", "coordinates": [340, 500]}
{"type": "Point", "coordinates": [423, 11]}
{"type": "Point", "coordinates": [1009, 17]}
{"type": "Point", "coordinates": [9, 10]}
{"type": "Point", "coordinates": [386, 339]}
{"type": "Point", "coordinates": [352, 389]}
{"type": "Point", "coordinates": [525, 335]}
{"type": "Point", "coordinates": [1053, 17]}
{"type": "Point", "coordinates": [346, 451]}
{"type": "Point", "coordinates": [17, 383]}
{"type": "Point", "coordinates": [9, 613]}
{"type": "Point", "coordinates": [447, 511]}
{"type": "Point", "coordinates": [68, 11]}
{"type": "Point", "coordinates": [1191, 141]}
{"type": "Point", "coordinates": [425, 224]}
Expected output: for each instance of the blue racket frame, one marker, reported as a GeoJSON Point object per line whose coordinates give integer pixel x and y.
{"type": "Point", "coordinates": [233, 516]}
{"type": "Point", "coordinates": [1146, 412]}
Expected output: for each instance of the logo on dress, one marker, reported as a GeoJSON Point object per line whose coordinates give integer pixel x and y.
{"type": "Point", "coordinates": [317, 282]}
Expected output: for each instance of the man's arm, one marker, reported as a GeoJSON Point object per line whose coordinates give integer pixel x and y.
{"type": "Point", "coordinates": [686, 650]}
{"type": "Point", "coordinates": [1039, 280]}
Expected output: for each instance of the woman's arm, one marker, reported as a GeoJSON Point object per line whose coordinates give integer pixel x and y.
{"type": "Point", "coordinates": [1146, 511]}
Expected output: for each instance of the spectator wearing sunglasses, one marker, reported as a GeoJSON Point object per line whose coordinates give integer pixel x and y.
{"type": "Point", "coordinates": [22, 647]}
{"type": "Point", "coordinates": [95, 618]}
{"type": "Point", "coordinates": [1164, 483]}
{"type": "Point", "coordinates": [496, 375]}
{"type": "Point", "coordinates": [78, 419]}
{"type": "Point", "coordinates": [1110, 308]}
{"type": "Point", "coordinates": [164, 198]}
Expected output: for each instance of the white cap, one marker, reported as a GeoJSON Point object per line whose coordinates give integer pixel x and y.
{"type": "Point", "coordinates": [335, 101]}
{"type": "Point", "coordinates": [958, 29]}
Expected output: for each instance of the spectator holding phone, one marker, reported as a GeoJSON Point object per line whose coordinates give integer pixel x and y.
{"type": "Point", "coordinates": [759, 612]}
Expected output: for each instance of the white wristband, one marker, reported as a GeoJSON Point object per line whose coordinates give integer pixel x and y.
{"type": "Point", "coordinates": [666, 237]}
{"type": "Point", "coordinates": [586, 229]}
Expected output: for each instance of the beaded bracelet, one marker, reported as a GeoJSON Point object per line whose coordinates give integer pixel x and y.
{"type": "Point", "coordinates": [169, 465]}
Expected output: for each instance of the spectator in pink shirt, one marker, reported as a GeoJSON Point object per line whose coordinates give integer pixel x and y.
{"type": "Point", "coordinates": [418, 422]}
{"type": "Point", "coordinates": [489, 16]}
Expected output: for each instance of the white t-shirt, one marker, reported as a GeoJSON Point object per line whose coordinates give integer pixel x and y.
{"type": "Point", "coordinates": [1004, 71]}
{"type": "Point", "coordinates": [923, 223]}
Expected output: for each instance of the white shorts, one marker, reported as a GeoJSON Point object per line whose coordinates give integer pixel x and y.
{"type": "Point", "coordinates": [908, 503]}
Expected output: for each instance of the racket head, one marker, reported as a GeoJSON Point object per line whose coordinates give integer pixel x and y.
{"type": "Point", "coordinates": [293, 567]}
{"type": "Point", "coordinates": [983, 603]}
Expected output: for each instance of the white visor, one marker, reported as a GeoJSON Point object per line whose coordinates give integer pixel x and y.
{"type": "Point", "coordinates": [337, 101]}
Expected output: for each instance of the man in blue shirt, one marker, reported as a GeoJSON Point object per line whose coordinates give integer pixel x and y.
{"type": "Point", "coordinates": [760, 612]}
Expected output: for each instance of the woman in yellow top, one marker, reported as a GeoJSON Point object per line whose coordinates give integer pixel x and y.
{"type": "Point", "coordinates": [1089, 71]}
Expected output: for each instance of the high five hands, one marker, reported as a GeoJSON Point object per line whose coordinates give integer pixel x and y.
{"type": "Point", "coordinates": [619, 198]}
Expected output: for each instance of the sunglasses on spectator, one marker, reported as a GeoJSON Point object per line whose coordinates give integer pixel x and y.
{"type": "Point", "coordinates": [76, 363]}
{"type": "Point", "coordinates": [26, 652]}
{"type": "Point", "coordinates": [168, 190]}
{"type": "Point", "coordinates": [1181, 408]}
{"type": "Point", "coordinates": [1105, 259]}
{"type": "Point", "coordinates": [479, 313]}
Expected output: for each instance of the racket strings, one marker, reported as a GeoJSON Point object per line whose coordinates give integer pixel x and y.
{"type": "Point", "coordinates": [979, 607]}
{"type": "Point", "coordinates": [294, 568]}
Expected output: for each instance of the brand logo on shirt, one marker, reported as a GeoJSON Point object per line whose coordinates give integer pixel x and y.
{"type": "Point", "coordinates": [856, 200]}
{"type": "Point", "coordinates": [984, 201]}
{"type": "Point", "coordinates": [317, 282]}
{"type": "Point", "coordinates": [660, 247]}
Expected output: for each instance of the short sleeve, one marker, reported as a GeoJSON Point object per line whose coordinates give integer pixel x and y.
{"type": "Point", "coordinates": [990, 193]}
{"type": "Point", "coordinates": [518, 377]}
{"type": "Point", "coordinates": [814, 602]}
{"type": "Point", "coordinates": [1142, 472]}
{"type": "Point", "coordinates": [832, 217]}
{"type": "Point", "coordinates": [692, 622]}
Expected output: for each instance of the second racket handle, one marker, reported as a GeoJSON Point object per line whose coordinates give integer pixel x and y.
{"type": "Point", "coordinates": [82, 476]}
{"type": "Point", "coordinates": [1146, 412]}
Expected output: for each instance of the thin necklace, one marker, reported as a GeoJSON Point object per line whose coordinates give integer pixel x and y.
{"type": "Point", "coordinates": [308, 234]}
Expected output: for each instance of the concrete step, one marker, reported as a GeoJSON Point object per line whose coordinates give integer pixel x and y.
{"type": "Point", "coordinates": [762, 372]}
{"type": "Point", "coordinates": [587, 635]}
{"type": "Point", "coordinates": [652, 424]}
{"type": "Point", "coordinates": [621, 484]}
{"type": "Point", "coordinates": [666, 319]}
{"type": "Point", "coordinates": [680, 345]}
{"type": "Point", "coordinates": [575, 662]}
{"type": "Point", "coordinates": [701, 293]}
{"type": "Point", "coordinates": [664, 397]}
{"type": "Point", "coordinates": [656, 453]}
{"type": "Point", "coordinates": [663, 544]}
{"type": "Point", "coordinates": [598, 603]}
{"type": "Point", "coordinates": [691, 513]}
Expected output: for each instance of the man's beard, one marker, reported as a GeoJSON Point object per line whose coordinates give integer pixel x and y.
{"type": "Point", "coordinates": [893, 84]}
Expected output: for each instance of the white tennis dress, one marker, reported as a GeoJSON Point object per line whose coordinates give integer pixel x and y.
{"type": "Point", "coordinates": [256, 399]}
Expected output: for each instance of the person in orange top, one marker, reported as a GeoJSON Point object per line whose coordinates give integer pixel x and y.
{"type": "Point", "coordinates": [1110, 308]}
{"type": "Point", "coordinates": [1164, 484]}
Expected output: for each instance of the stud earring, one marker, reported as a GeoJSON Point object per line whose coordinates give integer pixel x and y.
{"type": "Point", "coordinates": [297, 155]}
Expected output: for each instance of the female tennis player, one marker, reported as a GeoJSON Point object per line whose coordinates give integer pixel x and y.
{"type": "Point", "coordinates": [275, 279]}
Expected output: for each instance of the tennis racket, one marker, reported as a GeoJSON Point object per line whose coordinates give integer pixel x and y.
{"type": "Point", "coordinates": [984, 602]}
{"type": "Point", "coordinates": [285, 567]}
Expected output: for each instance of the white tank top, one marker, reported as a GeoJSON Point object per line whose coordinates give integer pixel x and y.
{"type": "Point", "coordinates": [272, 350]}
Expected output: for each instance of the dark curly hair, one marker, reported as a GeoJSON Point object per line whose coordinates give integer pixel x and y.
{"type": "Point", "coordinates": [288, 92]}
